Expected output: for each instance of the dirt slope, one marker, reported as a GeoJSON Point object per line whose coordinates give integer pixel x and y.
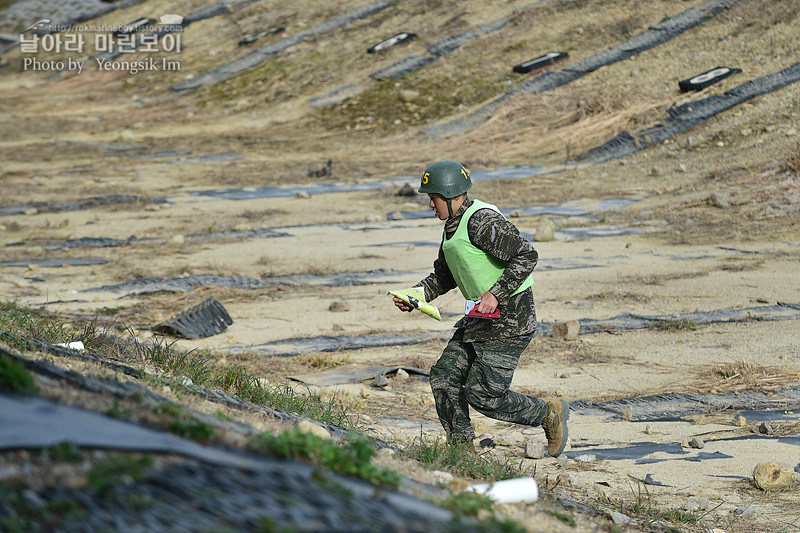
{"type": "Point", "coordinates": [709, 222]}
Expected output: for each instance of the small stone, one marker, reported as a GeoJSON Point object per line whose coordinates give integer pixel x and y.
{"type": "Point", "coordinates": [697, 503]}
{"type": "Point", "coordinates": [566, 330]}
{"type": "Point", "coordinates": [339, 307]}
{"type": "Point", "coordinates": [408, 95]}
{"type": "Point", "coordinates": [746, 132]}
{"type": "Point", "coordinates": [770, 476]}
{"type": "Point", "coordinates": [373, 217]}
{"type": "Point", "coordinates": [401, 374]}
{"type": "Point", "coordinates": [744, 510]}
{"type": "Point", "coordinates": [765, 428]}
{"type": "Point", "coordinates": [699, 420]}
{"type": "Point", "coordinates": [565, 479]}
{"type": "Point", "coordinates": [627, 413]}
{"type": "Point", "coordinates": [545, 231]}
{"type": "Point", "coordinates": [303, 195]}
{"type": "Point", "coordinates": [516, 213]}
{"type": "Point", "coordinates": [682, 167]}
{"type": "Point", "coordinates": [648, 429]}
{"type": "Point", "coordinates": [177, 240]}
{"type": "Point", "coordinates": [380, 381]}
{"type": "Point", "coordinates": [586, 458]}
{"type": "Point", "coordinates": [306, 426]}
{"type": "Point", "coordinates": [619, 518]}
{"type": "Point", "coordinates": [741, 421]}
{"type": "Point", "coordinates": [697, 443]}
{"type": "Point", "coordinates": [31, 211]}
{"type": "Point", "coordinates": [534, 449]}
{"type": "Point", "coordinates": [407, 190]}
{"type": "Point", "coordinates": [564, 375]}
{"type": "Point", "coordinates": [655, 171]}
{"type": "Point", "coordinates": [442, 478]}
{"type": "Point", "coordinates": [721, 200]}
{"type": "Point", "coordinates": [33, 266]}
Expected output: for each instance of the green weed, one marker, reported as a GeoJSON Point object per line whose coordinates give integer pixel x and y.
{"type": "Point", "coordinates": [14, 377]}
{"type": "Point", "coordinates": [461, 458]}
{"type": "Point", "coordinates": [352, 459]}
{"type": "Point", "coordinates": [116, 470]}
{"type": "Point", "coordinates": [65, 451]}
{"type": "Point", "coordinates": [183, 424]}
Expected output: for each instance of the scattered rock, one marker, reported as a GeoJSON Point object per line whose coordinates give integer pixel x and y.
{"type": "Point", "coordinates": [31, 211]}
{"type": "Point", "coordinates": [770, 476]}
{"type": "Point", "coordinates": [740, 421]}
{"type": "Point", "coordinates": [516, 213]}
{"type": "Point", "coordinates": [339, 307]}
{"type": "Point", "coordinates": [765, 428]}
{"type": "Point", "coordinates": [566, 330]}
{"type": "Point", "coordinates": [407, 190]}
{"type": "Point", "coordinates": [627, 413]}
{"type": "Point", "coordinates": [545, 231]}
{"type": "Point", "coordinates": [697, 443]}
{"type": "Point", "coordinates": [565, 479]}
{"type": "Point", "coordinates": [682, 167]}
{"type": "Point", "coordinates": [655, 171]}
{"type": "Point", "coordinates": [744, 510]}
{"type": "Point", "coordinates": [697, 503]}
{"type": "Point", "coordinates": [306, 426]}
{"type": "Point", "coordinates": [401, 374]}
{"type": "Point", "coordinates": [586, 458]}
{"type": "Point", "coordinates": [505, 441]}
{"type": "Point", "coordinates": [380, 381]}
{"type": "Point", "coordinates": [408, 95]}
{"type": "Point", "coordinates": [648, 429]}
{"type": "Point", "coordinates": [619, 518]}
{"type": "Point", "coordinates": [534, 450]}
{"type": "Point", "coordinates": [373, 217]}
{"type": "Point", "coordinates": [326, 170]}
{"type": "Point", "coordinates": [699, 420]}
{"type": "Point", "coordinates": [177, 240]}
{"type": "Point", "coordinates": [486, 442]}
{"type": "Point", "coordinates": [443, 478]}
{"type": "Point", "coordinates": [721, 200]}
{"type": "Point", "coordinates": [303, 194]}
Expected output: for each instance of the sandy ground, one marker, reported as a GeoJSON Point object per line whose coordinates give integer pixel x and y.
{"type": "Point", "coordinates": [680, 252]}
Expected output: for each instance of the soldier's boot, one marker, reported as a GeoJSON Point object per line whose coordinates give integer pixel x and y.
{"type": "Point", "coordinates": [555, 426]}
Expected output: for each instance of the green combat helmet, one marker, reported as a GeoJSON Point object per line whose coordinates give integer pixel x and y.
{"type": "Point", "coordinates": [448, 178]}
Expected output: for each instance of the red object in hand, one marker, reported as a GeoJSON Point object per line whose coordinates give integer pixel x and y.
{"type": "Point", "coordinates": [471, 309]}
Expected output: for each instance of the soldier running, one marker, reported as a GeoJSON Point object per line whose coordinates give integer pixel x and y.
{"type": "Point", "coordinates": [484, 255]}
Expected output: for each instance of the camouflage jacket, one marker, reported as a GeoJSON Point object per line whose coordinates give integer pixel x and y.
{"type": "Point", "coordinates": [492, 233]}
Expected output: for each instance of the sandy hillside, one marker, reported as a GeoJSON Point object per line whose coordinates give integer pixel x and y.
{"type": "Point", "coordinates": [129, 197]}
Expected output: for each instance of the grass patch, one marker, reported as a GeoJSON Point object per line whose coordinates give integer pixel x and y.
{"type": "Point", "coordinates": [675, 325]}
{"type": "Point", "coordinates": [323, 360]}
{"type": "Point", "coordinates": [792, 163]}
{"type": "Point", "coordinates": [161, 357]}
{"type": "Point", "coordinates": [462, 459]}
{"type": "Point", "coordinates": [644, 509]}
{"type": "Point", "coordinates": [14, 377]}
{"type": "Point", "coordinates": [353, 459]}
{"type": "Point", "coordinates": [66, 452]}
{"type": "Point", "coordinates": [742, 376]}
{"type": "Point", "coordinates": [118, 470]}
{"type": "Point", "coordinates": [181, 423]}
{"type": "Point", "coordinates": [21, 516]}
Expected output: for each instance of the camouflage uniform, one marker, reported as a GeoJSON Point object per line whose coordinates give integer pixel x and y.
{"type": "Point", "coordinates": [477, 365]}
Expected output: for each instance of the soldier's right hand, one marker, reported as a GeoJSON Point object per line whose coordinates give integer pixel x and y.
{"type": "Point", "coordinates": [401, 305]}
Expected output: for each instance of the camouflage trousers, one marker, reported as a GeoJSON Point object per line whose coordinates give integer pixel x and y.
{"type": "Point", "coordinates": [478, 375]}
